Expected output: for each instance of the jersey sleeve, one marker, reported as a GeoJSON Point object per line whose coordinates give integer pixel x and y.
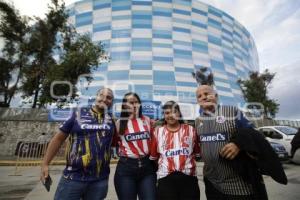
{"type": "Point", "coordinates": [116, 138]}
{"type": "Point", "coordinates": [154, 145]}
{"type": "Point", "coordinates": [196, 145]}
{"type": "Point", "coordinates": [197, 123]}
{"type": "Point", "coordinates": [67, 126]}
{"type": "Point", "coordinates": [152, 126]}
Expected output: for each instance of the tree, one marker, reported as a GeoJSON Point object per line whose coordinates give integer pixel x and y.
{"type": "Point", "coordinates": [34, 56]}
{"type": "Point", "coordinates": [42, 42]}
{"type": "Point", "coordinates": [57, 53]}
{"type": "Point", "coordinates": [255, 89]}
{"type": "Point", "coordinates": [81, 57]}
{"type": "Point", "coordinates": [13, 30]}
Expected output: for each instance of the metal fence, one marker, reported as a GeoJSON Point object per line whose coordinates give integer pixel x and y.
{"type": "Point", "coordinates": [271, 122]}
{"type": "Point", "coordinates": [31, 153]}
{"type": "Point", "coordinates": [295, 124]}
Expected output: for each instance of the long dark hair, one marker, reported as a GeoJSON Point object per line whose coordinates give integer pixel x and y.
{"type": "Point", "coordinates": [172, 105]}
{"type": "Point", "coordinates": [124, 113]}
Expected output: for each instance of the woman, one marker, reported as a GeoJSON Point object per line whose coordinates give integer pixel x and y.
{"type": "Point", "coordinates": [175, 146]}
{"type": "Point", "coordinates": [135, 174]}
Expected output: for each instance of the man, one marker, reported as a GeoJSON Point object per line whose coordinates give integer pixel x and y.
{"type": "Point", "coordinates": [215, 127]}
{"type": "Point", "coordinates": [90, 133]}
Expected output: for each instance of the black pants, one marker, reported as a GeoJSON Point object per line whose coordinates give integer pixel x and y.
{"type": "Point", "coordinates": [213, 194]}
{"type": "Point", "coordinates": [178, 186]}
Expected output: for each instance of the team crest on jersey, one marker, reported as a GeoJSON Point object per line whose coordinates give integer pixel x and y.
{"type": "Point", "coordinates": [220, 119]}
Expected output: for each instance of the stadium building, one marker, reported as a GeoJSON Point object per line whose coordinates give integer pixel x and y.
{"type": "Point", "coordinates": [154, 46]}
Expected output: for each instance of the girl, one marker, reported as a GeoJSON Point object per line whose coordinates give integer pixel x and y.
{"type": "Point", "coordinates": [175, 146]}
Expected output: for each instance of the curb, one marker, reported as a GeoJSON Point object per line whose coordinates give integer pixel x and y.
{"type": "Point", "coordinates": [28, 163]}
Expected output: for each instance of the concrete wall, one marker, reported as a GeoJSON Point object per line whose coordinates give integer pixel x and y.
{"type": "Point", "coordinates": [11, 132]}
{"type": "Point", "coordinates": [22, 125]}
{"type": "Point", "coordinates": [26, 124]}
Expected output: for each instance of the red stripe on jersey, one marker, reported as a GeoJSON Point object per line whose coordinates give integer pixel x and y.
{"type": "Point", "coordinates": [197, 150]}
{"type": "Point", "coordinates": [130, 144]}
{"type": "Point", "coordinates": [175, 150]}
{"type": "Point", "coordinates": [183, 134]}
{"type": "Point", "coordinates": [122, 149]}
{"type": "Point", "coordinates": [127, 148]}
{"type": "Point", "coordinates": [137, 129]}
{"type": "Point", "coordinates": [153, 150]}
{"type": "Point", "coordinates": [137, 147]}
{"type": "Point", "coordinates": [147, 126]}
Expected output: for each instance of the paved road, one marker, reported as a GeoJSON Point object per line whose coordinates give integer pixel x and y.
{"type": "Point", "coordinates": [28, 186]}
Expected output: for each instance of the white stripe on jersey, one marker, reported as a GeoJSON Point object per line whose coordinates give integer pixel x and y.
{"type": "Point", "coordinates": [125, 144]}
{"type": "Point", "coordinates": [188, 161]}
{"type": "Point", "coordinates": [181, 140]}
{"type": "Point", "coordinates": [177, 146]}
{"type": "Point", "coordinates": [161, 145]}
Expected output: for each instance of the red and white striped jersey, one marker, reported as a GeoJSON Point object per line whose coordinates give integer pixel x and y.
{"type": "Point", "coordinates": [175, 151]}
{"type": "Point", "coordinates": [136, 140]}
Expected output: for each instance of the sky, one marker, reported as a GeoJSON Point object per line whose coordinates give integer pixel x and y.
{"type": "Point", "coordinates": [275, 27]}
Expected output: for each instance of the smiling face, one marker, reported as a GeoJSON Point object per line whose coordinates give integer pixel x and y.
{"type": "Point", "coordinates": [171, 116]}
{"type": "Point", "coordinates": [104, 99]}
{"type": "Point", "coordinates": [132, 105]}
{"type": "Point", "coordinates": [206, 97]}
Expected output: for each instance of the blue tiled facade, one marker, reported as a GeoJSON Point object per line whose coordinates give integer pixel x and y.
{"type": "Point", "coordinates": [154, 46]}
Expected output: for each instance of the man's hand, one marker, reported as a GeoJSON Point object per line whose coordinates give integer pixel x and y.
{"type": "Point", "coordinates": [230, 151]}
{"type": "Point", "coordinates": [44, 172]}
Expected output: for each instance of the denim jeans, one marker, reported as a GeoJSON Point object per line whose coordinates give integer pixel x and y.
{"type": "Point", "coordinates": [135, 178]}
{"type": "Point", "coordinates": [68, 189]}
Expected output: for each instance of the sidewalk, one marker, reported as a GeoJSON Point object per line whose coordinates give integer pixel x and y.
{"type": "Point", "coordinates": [39, 191]}
{"type": "Point", "coordinates": [27, 186]}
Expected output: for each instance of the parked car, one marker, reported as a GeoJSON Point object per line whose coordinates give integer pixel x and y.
{"type": "Point", "coordinates": [279, 134]}
{"type": "Point", "coordinates": [280, 151]}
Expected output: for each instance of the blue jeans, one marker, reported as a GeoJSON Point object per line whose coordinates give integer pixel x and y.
{"type": "Point", "coordinates": [133, 179]}
{"type": "Point", "coordinates": [68, 189]}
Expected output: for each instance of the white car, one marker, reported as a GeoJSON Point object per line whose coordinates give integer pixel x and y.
{"type": "Point", "coordinates": [279, 134]}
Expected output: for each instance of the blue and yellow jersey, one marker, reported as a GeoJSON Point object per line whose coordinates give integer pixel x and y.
{"type": "Point", "coordinates": [88, 151]}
